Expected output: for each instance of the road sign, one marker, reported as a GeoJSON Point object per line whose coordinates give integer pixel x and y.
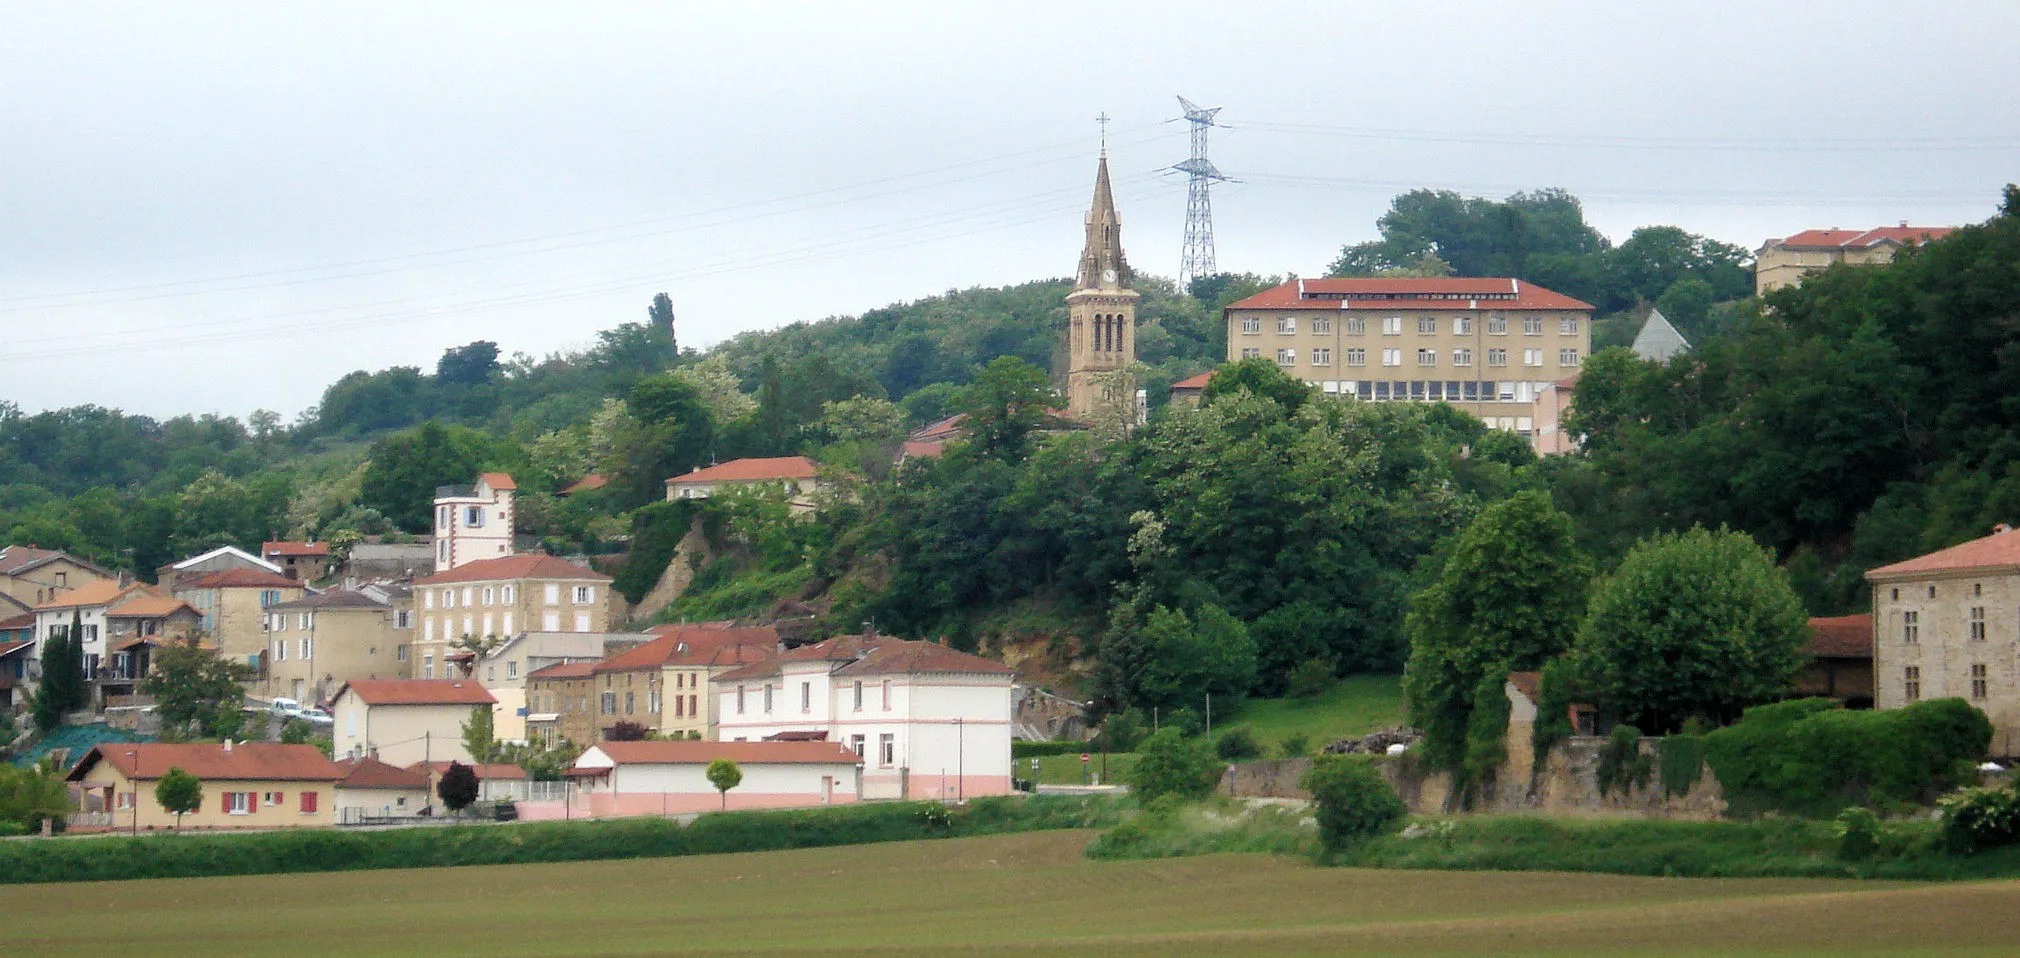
{"type": "Point", "coordinates": [1083, 758]}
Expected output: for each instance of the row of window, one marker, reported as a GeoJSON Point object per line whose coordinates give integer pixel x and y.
{"type": "Point", "coordinates": [501, 595]}
{"type": "Point", "coordinates": [1393, 326]}
{"type": "Point", "coordinates": [1438, 390]}
{"type": "Point", "coordinates": [887, 747]}
{"type": "Point", "coordinates": [1974, 623]}
{"type": "Point", "coordinates": [473, 517]}
{"type": "Point", "coordinates": [549, 622]}
{"type": "Point", "coordinates": [307, 647]}
{"type": "Point", "coordinates": [1461, 357]}
{"type": "Point", "coordinates": [278, 621]}
{"type": "Point", "coordinates": [247, 803]}
{"type": "Point", "coordinates": [1981, 682]}
{"type": "Point", "coordinates": [655, 703]}
{"type": "Point", "coordinates": [807, 696]}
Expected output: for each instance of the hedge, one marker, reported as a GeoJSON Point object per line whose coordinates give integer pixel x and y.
{"type": "Point", "coordinates": [1810, 757]}
{"type": "Point", "coordinates": [190, 855]}
{"type": "Point", "coordinates": [1023, 749]}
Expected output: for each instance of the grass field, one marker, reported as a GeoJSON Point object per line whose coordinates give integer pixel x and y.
{"type": "Point", "coordinates": [1029, 894]}
{"type": "Point", "coordinates": [1359, 704]}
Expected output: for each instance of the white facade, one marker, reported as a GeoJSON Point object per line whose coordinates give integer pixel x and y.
{"type": "Point", "coordinates": [399, 734]}
{"type": "Point", "coordinates": [90, 618]}
{"type": "Point", "coordinates": [921, 735]}
{"type": "Point", "coordinates": [473, 522]}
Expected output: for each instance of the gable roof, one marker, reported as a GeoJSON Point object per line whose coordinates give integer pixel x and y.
{"type": "Point", "coordinates": [565, 670]}
{"type": "Point", "coordinates": [249, 558]}
{"type": "Point", "coordinates": [418, 692]}
{"type": "Point", "coordinates": [372, 773]}
{"type": "Point", "coordinates": [874, 655]}
{"type": "Point", "coordinates": [697, 645]}
{"type": "Point", "coordinates": [243, 761]}
{"type": "Point", "coordinates": [742, 753]}
{"type": "Point", "coordinates": [1658, 340]}
{"type": "Point", "coordinates": [2000, 550]}
{"type": "Point", "coordinates": [1193, 382]}
{"type": "Point", "coordinates": [143, 603]}
{"type": "Point", "coordinates": [498, 481]}
{"type": "Point", "coordinates": [96, 592]}
{"type": "Point", "coordinates": [1841, 637]}
{"type": "Point", "coordinates": [538, 565]}
{"type": "Point", "coordinates": [334, 599]}
{"type": "Point", "coordinates": [294, 548]}
{"type": "Point", "coordinates": [1410, 293]}
{"type": "Point", "coordinates": [15, 560]}
{"type": "Point", "coordinates": [1528, 683]}
{"type": "Point", "coordinates": [752, 470]}
{"type": "Point", "coordinates": [238, 579]}
{"type": "Point", "coordinates": [584, 484]}
{"type": "Point", "coordinates": [25, 620]}
{"type": "Point", "coordinates": [1834, 239]}
{"type": "Point", "coordinates": [9, 648]}
{"type": "Point", "coordinates": [498, 771]}
{"type": "Point", "coordinates": [942, 430]}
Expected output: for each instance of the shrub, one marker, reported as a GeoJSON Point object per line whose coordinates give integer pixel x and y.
{"type": "Point", "coordinates": [1022, 749]}
{"type": "Point", "coordinates": [1236, 743]}
{"type": "Point", "coordinates": [1981, 818]}
{"type": "Point", "coordinates": [1858, 834]}
{"type": "Point", "coordinates": [1309, 679]}
{"type": "Point", "coordinates": [1297, 745]}
{"type": "Point", "coordinates": [1122, 731]}
{"type": "Point", "coordinates": [1168, 763]}
{"type": "Point", "coordinates": [1810, 757]}
{"type": "Point", "coordinates": [1354, 801]}
{"type": "Point", "coordinates": [1622, 766]}
{"type": "Point", "coordinates": [1682, 757]}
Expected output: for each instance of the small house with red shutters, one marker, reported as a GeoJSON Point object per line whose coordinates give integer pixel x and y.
{"type": "Point", "coordinates": [245, 785]}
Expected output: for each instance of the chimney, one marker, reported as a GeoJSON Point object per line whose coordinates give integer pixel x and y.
{"type": "Point", "coordinates": [1904, 224]}
{"type": "Point", "coordinates": [2001, 529]}
{"type": "Point", "coordinates": [227, 746]}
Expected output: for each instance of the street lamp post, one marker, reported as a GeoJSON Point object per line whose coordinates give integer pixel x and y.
{"type": "Point", "coordinates": [960, 762]}
{"type": "Point", "coordinates": [134, 795]}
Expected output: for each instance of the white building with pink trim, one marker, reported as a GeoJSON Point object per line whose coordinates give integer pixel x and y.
{"type": "Point", "coordinates": [619, 779]}
{"type": "Point", "coordinates": [928, 721]}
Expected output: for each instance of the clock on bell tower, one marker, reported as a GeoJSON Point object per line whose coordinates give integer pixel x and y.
{"type": "Point", "coordinates": [1101, 315]}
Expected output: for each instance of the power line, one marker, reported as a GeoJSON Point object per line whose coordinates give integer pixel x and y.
{"type": "Point", "coordinates": [1611, 141]}
{"type": "Point", "coordinates": [1685, 197]}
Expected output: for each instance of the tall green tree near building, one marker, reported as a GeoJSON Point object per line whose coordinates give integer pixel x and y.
{"type": "Point", "coordinates": [197, 691]}
{"type": "Point", "coordinates": [179, 792]}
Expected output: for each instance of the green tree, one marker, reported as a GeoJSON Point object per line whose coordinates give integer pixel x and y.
{"type": "Point", "coordinates": [471, 365]}
{"type": "Point", "coordinates": [479, 738]}
{"type": "Point", "coordinates": [64, 688]}
{"type": "Point", "coordinates": [724, 775]}
{"type": "Point", "coordinates": [668, 432]}
{"type": "Point", "coordinates": [179, 792]}
{"type": "Point", "coordinates": [458, 787]}
{"type": "Point", "coordinates": [1260, 377]}
{"type": "Point", "coordinates": [1699, 623]}
{"type": "Point", "coordinates": [1006, 404]}
{"type": "Point", "coordinates": [1168, 763]}
{"type": "Point", "coordinates": [1191, 657]}
{"type": "Point", "coordinates": [660, 317]}
{"type": "Point", "coordinates": [197, 691]}
{"type": "Point", "coordinates": [1354, 800]}
{"type": "Point", "coordinates": [404, 470]}
{"type": "Point", "coordinates": [32, 795]}
{"type": "Point", "coordinates": [1508, 595]}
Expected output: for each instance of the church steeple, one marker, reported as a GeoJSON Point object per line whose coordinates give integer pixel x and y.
{"type": "Point", "coordinates": [1101, 317]}
{"type": "Point", "coordinates": [1102, 265]}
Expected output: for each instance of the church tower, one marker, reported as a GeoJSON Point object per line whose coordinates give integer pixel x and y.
{"type": "Point", "coordinates": [1101, 316]}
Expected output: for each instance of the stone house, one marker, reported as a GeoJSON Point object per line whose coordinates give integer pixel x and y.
{"type": "Point", "coordinates": [1948, 624]}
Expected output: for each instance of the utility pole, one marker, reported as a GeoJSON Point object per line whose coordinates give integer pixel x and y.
{"type": "Point", "coordinates": [1197, 259]}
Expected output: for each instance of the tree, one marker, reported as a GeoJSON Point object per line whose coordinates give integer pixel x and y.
{"type": "Point", "coordinates": [1695, 624]}
{"type": "Point", "coordinates": [1005, 404]}
{"type": "Point", "coordinates": [1168, 763]}
{"type": "Point", "coordinates": [63, 686]}
{"type": "Point", "coordinates": [471, 365]}
{"type": "Point", "coordinates": [668, 432]}
{"type": "Point", "coordinates": [479, 739]}
{"type": "Point", "coordinates": [403, 470]}
{"type": "Point", "coordinates": [30, 796]}
{"type": "Point", "coordinates": [1354, 801]}
{"type": "Point", "coordinates": [458, 786]}
{"type": "Point", "coordinates": [1191, 657]}
{"type": "Point", "coordinates": [626, 732]}
{"type": "Point", "coordinates": [197, 691]}
{"type": "Point", "coordinates": [724, 775]}
{"type": "Point", "coordinates": [660, 317]}
{"type": "Point", "coordinates": [1261, 377]}
{"type": "Point", "coordinates": [179, 792]}
{"type": "Point", "coordinates": [1509, 595]}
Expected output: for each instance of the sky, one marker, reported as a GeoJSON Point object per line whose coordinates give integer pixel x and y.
{"type": "Point", "coordinates": [210, 207]}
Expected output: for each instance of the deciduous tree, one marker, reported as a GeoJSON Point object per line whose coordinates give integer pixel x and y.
{"type": "Point", "coordinates": [724, 775]}
{"type": "Point", "coordinates": [179, 792]}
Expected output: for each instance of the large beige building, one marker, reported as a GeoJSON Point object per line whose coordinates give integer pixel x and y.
{"type": "Point", "coordinates": [1948, 624]}
{"type": "Point", "coordinates": [495, 599]}
{"type": "Point", "coordinates": [319, 642]}
{"type": "Point", "coordinates": [1492, 347]}
{"type": "Point", "coordinates": [1784, 262]}
{"type": "Point", "coordinates": [1101, 316]}
{"type": "Point", "coordinates": [233, 605]}
{"type": "Point", "coordinates": [31, 576]}
{"type": "Point", "coordinates": [664, 684]}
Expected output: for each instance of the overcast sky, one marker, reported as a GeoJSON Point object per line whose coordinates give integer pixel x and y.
{"type": "Point", "coordinates": [211, 207]}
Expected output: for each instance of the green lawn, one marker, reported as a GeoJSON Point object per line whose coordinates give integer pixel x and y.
{"type": "Point", "coordinates": [1030, 895]}
{"type": "Point", "coordinates": [1359, 704]}
{"type": "Point", "coordinates": [1066, 769]}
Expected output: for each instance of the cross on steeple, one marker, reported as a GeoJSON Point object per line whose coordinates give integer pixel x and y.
{"type": "Point", "coordinates": [1103, 120]}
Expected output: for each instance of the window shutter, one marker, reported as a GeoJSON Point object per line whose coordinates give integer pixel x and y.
{"type": "Point", "coordinates": [226, 807]}
{"type": "Point", "coordinates": [309, 801]}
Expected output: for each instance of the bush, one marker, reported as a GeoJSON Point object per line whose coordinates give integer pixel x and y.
{"type": "Point", "coordinates": [1682, 757]}
{"type": "Point", "coordinates": [1168, 763]}
{"type": "Point", "coordinates": [1297, 745]}
{"type": "Point", "coordinates": [1122, 731]}
{"type": "Point", "coordinates": [1622, 766]}
{"type": "Point", "coordinates": [1810, 757]}
{"type": "Point", "coordinates": [1309, 679]}
{"type": "Point", "coordinates": [1022, 749]}
{"type": "Point", "coordinates": [1235, 744]}
{"type": "Point", "coordinates": [1980, 818]}
{"type": "Point", "coordinates": [1858, 834]}
{"type": "Point", "coordinates": [1354, 801]}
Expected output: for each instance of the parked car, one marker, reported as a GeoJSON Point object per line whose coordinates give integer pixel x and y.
{"type": "Point", "coordinates": [287, 708]}
{"type": "Point", "coordinates": [317, 716]}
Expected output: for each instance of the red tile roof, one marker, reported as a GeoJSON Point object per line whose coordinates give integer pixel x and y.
{"type": "Point", "coordinates": [419, 692]}
{"type": "Point", "coordinates": [752, 470]}
{"type": "Point", "coordinates": [372, 773]}
{"type": "Point", "coordinates": [584, 484]}
{"type": "Point", "coordinates": [697, 645]}
{"type": "Point", "coordinates": [532, 566]}
{"type": "Point", "coordinates": [498, 772]}
{"type": "Point", "coordinates": [9, 648]}
{"type": "Point", "coordinates": [147, 605]}
{"type": "Point", "coordinates": [246, 761]}
{"type": "Point", "coordinates": [742, 753]}
{"type": "Point", "coordinates": [498, 480]}
{"type": "Point", "coordinates": [565, 670]}
{"type": "Point", "coordinates": [1841, 637]}
{"type": "Point", "coordinates": [914, 449]}
{"type": "Point", "coordinates": [1860, 239]}
{"type": "Point", "coordinates": [13, 558]}
{"type": "Point", "coordinates": [1193, 382]}
{"type": "Point", "coordinates": [952, 427]}
{"type": "Point", "coordinates": [99, 592]}
{"type": "Point", "coordinates": [1528, 683]}
{"type": "Point", "coordinates": [25, 620]}
{"type": "Point", "coordinates": [237, 579]}
{"type": "Point", "coordinates": [874, 655]}
{"type": "Point", "coordinates": [1384, 293]}
{"type": "Point", "coordinates": [294, 549]}
{"type": "Point", "coordinates": [2000, 550]}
